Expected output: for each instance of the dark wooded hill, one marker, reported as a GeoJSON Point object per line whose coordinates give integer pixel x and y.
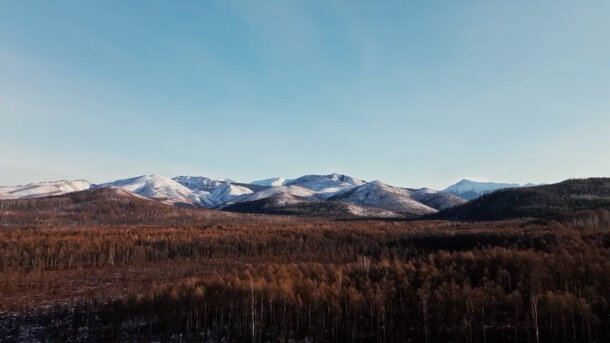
{"type": "Point", "coordinates": [288, 204]}
{"type": "Point", "coordinates": [565, 199]}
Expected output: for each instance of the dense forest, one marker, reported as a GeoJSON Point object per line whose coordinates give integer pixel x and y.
{"type": "Point", "coordinates": [107, 266]}
{"type": "Point", "coordinates": [324, 281]}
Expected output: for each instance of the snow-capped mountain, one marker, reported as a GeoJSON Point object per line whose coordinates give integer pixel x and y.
{"type": "Point", "coordinates": [469, 190]}
{"type": "Point", "coordinates": [159, 188]}
{"type": "Point", "coordinates": [296, 191]}
{"type": "Point", "coordinates": [43, 189]}
{"type": "Point", "coordinates": [326, 185]}
{"type": "Point", "coordinates": [198, 183]}
{"type": "Point", "coordinates": [378, 194]}
{"type": "Point", "coordinates": [275, 181]}
{"type": "Point", "coordinates": [200, 191]}
{"type": "Point", "coordinates": [212, 192]}
{"type": "Point", "coordinates": [227, 192]}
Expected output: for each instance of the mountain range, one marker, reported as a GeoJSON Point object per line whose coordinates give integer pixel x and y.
{"type": "Point", "coordinates": [338, 194]}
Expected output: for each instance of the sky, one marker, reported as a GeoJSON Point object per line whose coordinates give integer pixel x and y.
{"type": "Point", "coordinates": [411, 93]}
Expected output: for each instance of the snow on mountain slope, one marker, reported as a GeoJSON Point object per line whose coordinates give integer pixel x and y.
{"type": "Point", "coordinates": [227, 192]}
{"type": "Point", "coordinates": [207, 192]}
{"type": "Point", "coordinates": [469, 190]}
{"type": "Point", "coordinates": [43, 189]}
{"type": "Point", "coordinates": [346, 179]}
{"type": "Point", "coordinates": [436, 199]}
{"type": "Point", "coordinates": [159, 188]}
{"type": "Point", "coordinates": [275, 181]}
{"type": "Point", "coordinates": [378, 194]}
{"type": "Point", "coordinates": [212, 192]}
{"type": "Point", "coordinates": [198, 183]}
{"type": "Point", "coordinates": [326, 185]}
{"type": "Point", "coordinates": [297, 191]}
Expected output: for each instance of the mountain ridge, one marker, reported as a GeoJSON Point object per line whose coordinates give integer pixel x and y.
{"type": "Point", "coordinates": [201, 191]}
{"type": "Point", "coordinates": [469, 189]}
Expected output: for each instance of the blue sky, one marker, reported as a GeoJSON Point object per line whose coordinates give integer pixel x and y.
{"type": "Point", "coordinates": [412, 93]}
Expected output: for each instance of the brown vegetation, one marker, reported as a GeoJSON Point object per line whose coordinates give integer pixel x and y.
{"type": "Point", "coordinates": [105, 265]}
{"type": "Point", "coordinates": [273, 279]}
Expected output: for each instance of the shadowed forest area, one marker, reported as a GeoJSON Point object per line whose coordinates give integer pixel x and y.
{"type": "Point", "coordinates": [588, 199]}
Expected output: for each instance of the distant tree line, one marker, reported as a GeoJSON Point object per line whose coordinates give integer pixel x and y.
{"type": "Point", "coordinates": [571, 198]}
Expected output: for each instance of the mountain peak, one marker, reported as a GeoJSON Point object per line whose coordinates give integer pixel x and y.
{"type": "Point", "coordinates": [374, 184]}
{"type": "Point", "coordinates": [274, 181]}
{"type": "Point", "coordinates": [469, 189]}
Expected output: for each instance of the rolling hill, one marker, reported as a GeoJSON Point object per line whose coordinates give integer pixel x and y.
{"type": "Point", "coordinates": [99, 206]}
{"type": "Point", "coordinates": [380, 195]}
{"type": "Point", "coordinates": [547, 201]}
{"type": "Point", "coordinates": [285, 203]}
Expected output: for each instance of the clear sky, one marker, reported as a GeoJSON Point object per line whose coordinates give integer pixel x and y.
{"type": "Point", "coordinates": [412, 93]}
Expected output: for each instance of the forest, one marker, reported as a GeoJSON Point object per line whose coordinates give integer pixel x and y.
{"type": "Point", "coordinates": [560, 200]}
{"type": "Point", "coordinates": [97, 267]}
{"type": "Point", "coordinates": [326, 281]}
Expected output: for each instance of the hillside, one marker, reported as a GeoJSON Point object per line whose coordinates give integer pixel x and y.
{"type": "Point", "coordinates": [285, 203]}
{"type": "Point", "coordinates": [100, 206]}
{"type": "Point", "coordinates": [436, 199]}
{"type": "Point", "coordinates": [326, 185]}
{"type": "Point", "coordinates": [160, 188]}
{"type": "Point", "coordinates": [549, 201]}
{"type": "Point", "coordinates": [212, 193]}
{"type": "Point", "coordinates": [380, 195]}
